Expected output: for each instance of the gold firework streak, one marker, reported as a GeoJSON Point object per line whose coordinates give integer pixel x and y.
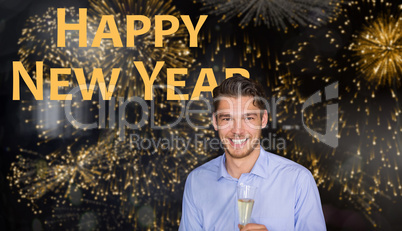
{"type": "Point", "coordinates": [379, 50]}
{"type": "Point", "coordinates": [274, 13]}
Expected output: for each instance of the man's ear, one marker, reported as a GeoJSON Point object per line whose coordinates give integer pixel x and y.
{"type": "Point", "coordinates": [264, 120]}
{"type": "Point", "coordinates": [214, 122]}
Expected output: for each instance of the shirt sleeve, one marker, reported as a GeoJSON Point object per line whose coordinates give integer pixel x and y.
{"type": "Point", "coordinates": [308, 210]}
{"type": "Point", "coordinates": [190, 218]}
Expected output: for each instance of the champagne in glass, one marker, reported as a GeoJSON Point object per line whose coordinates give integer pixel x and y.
{"type": "Point", "coordinates": [245, 202]}
{"type": "Point", "coordinates": [245, 208]}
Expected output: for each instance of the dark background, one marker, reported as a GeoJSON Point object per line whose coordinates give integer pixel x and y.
{"type": "Point", "coordinates": [367, 199]}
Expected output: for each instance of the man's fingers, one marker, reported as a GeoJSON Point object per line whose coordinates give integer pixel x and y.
{"type": "Point", "coordinates": [252, 226]}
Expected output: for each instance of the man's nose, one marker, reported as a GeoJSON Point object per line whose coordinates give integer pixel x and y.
{"type": "Point", "coordinates": [237, 126]}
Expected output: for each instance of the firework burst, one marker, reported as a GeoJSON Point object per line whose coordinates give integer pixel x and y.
{"type": "Point", "coordinates": [378, 48]}
{"type": "Point", "coordinates": [277, 14]}
{"type": "Point", "coordinates": [38, 43]}
{"type": "Point", "coordinates": [148, 170]}
{"type": "Point", "coordinates": [367, 158]}
{"type": "Point", "coordinates": [220, 44]}
{"type": "Point", "coordinates": [35, 177]}
{"type": "Point", "coordinates": [175, 51]}
{"type": "Point", "coordinates": [374, 52]}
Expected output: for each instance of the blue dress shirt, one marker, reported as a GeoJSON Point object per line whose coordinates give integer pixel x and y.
{"type": "Point", "coordinates": [287, 197]}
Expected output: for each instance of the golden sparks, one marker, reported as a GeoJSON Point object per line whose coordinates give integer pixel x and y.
{"type": "Point", "coordinates": [108, 170]}
{"type": "Point", "coordinates": [364, 168]}
{"type": "Point", "coordinates": [38, 43]}
{"type": "Point", "coordinates": [175, 51]}
{"type": "Point", "coordinates": [278, 14]}
{"type": "Point", "coordinates": [378, 48]}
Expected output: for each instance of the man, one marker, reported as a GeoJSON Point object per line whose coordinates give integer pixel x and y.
{"type": "Point", "coordinates": [287, 196]}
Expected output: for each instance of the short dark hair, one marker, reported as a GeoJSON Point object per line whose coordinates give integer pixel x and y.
{"type": "Point", "coordinates": [237, 86]}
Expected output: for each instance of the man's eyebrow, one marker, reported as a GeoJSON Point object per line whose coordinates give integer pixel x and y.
{"type": "Point", "coordinates": [223, 115]}
{"type": "Point", "coordinates": [250, 114]}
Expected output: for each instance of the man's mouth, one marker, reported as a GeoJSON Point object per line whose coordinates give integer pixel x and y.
{"type": "Point", "coordinates": [237, 141]}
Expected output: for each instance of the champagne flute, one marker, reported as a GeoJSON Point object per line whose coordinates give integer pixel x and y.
{"type": "Point", "coordinates": [245, 202]}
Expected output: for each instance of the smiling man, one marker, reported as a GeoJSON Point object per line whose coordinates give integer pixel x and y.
{"type": "Point", "coordinates": [287, 196]}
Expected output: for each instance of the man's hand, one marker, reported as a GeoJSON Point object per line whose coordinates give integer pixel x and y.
{"type": "Point", "coordinates": [252, 226]}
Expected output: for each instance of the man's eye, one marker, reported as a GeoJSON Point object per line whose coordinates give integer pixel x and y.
{"type": "Point", "coordinates": [249, 118]}
{"type": "Point", "coordinates": [226, 119]}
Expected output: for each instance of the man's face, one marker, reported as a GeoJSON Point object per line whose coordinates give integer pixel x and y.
{"type": "Point", "coordinates": [239, 125]}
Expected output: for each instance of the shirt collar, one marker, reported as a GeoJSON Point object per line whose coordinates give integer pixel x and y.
{"type": "Point", "coordinates": [222, 172]}
{"type": "Point", "coordinates": [260, 167]}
